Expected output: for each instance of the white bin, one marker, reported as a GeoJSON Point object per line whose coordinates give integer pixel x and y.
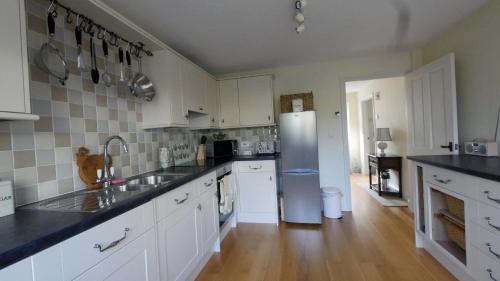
{"type": "Point", "coordinates": [332, 204]}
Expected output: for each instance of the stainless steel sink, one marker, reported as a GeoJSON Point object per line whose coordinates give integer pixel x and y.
{"type": "Point", "coordinates": [154, 179]}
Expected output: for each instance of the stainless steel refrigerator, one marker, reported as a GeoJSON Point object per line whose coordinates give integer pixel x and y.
{"type": "Point", "coordinates": [300, 168]}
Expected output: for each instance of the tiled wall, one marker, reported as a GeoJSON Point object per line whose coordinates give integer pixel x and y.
{"type": "Point", "coordinates": [39, 156]}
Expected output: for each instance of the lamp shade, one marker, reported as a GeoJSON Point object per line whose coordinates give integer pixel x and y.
{"type": "Point", "coordinates": [383, 134]}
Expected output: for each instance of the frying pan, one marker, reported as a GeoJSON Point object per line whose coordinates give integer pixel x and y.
{"type": "Point", "coordinates": [49, 58]}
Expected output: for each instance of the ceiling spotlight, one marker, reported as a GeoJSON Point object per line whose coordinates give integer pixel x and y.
{"type": "Point", "coordinates": [299, 17]}
{"type": "Point", "coordinates": [300, 4]}
{"type": "Point", "coordinates": [300, 28]}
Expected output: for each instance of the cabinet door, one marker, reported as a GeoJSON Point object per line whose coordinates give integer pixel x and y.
{"type": "Point", "coordinates": [14, 84]}
{"type": "Point", "coordinates": [210, 219]}
{"type": "Point", "coordinates": [257, 197]}
{"type": "Point", "coordinates": [20, 271]}
{"type": "Point", "coordinates": [193, 85]}
{"type": "Point", "coordinates": [256, 100]}
{"type": "Point", "coordinates": [168, 107]}
{"type": "Point", "coordinates": [136, 261]}
{"type": "Point", "coordinates": [179, 243]}
{"type": "Point", "coordinates": [229, 115]}
{"type": "Point", "coordinates": [212, 101]}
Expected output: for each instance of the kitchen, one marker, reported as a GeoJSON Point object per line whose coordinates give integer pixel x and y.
{"type": "Point", "coordinates": [208, 164]}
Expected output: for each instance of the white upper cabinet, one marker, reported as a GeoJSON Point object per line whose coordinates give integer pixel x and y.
{"type": "Point", "coordinates": [194, 87]}
{"type": "Point", "coordinates": [168, 107]}
{"type": "Point", "coordinates": [212, 101]}
{"type": "Point", "coordinates": [256, 100]}
{"type": "Point", "coordinates": [229, 115]}
{"type": "Point", "coordinates": [14, 78]}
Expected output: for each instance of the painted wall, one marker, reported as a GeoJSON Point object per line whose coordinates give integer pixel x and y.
{"type": "Point", "coordinates": [476, 44]}
{"type": "Point", "coordinates": [353, 131]}
{"type": "Point", "coordinates": [390, 112]}
{"type": "Point", "coordinates": [324, 80]}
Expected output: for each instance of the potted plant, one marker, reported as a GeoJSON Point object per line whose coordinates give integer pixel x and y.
{"type": "Point", "coordinates": [385, 176]}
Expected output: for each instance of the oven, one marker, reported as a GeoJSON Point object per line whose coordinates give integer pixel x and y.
{"type": "Point", "coordinates": [225, 194]}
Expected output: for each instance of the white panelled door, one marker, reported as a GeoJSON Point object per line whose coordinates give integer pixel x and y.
{"type": "Point", "coordinates": [432, 108]}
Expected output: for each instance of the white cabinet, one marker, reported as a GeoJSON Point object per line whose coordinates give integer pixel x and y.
{"type": "Point", "coordinates": [14, 81]}
{"type": "Point", "coordinates": [179, 243]}
{"type": "Point", "coordinates": [20, 271]}
{"type": "Point", "coordinates": [229, 113]}
{"type": "Point", "coordinates": [257, 193]}
{"type": "Point", "coordinates": [212, 101]}
{"type": "Point", "coordinates": [135, 261]}
{"type": "Point", "coordinates": [193, 85]}
{"type": "Point", "coordinates": [256, 100]}
{"type": "Point", "coordinates": [168, 108]}
{"type": "Point", "coordinates": [209, 219]}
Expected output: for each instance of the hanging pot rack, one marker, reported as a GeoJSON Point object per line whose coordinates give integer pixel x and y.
{"type": "Point", "coordinates": [92, 28]}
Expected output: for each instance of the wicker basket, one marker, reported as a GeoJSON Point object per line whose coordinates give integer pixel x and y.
{"type": "Point", "coordinates": [455, 207]}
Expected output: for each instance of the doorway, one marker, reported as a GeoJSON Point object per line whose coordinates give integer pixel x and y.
{"type": "Point", "coordinates": [371, 105]}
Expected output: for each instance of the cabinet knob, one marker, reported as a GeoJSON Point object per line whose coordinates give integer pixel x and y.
{"type": "Point", "coordinates": [186, 116]}
{"type": "Point", "coordinates": [199, 207]}
{"type": "Point", "coordinates": [269, 117]}
{"type": "Point", "coordinates": [213, 120]}
{"type": "Point", "coordinates": [222, 120]}
{"type": "Point", "coordinates": [270, 178]}
{"type": "Point", "coordinates": [201, 108]}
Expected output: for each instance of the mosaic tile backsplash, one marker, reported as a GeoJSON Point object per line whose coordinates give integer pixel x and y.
{"type": "Point", "coordinates": [39, 156]}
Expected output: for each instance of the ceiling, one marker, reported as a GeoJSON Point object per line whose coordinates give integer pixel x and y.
{"type": "Point", "coordinates": [225, 36]}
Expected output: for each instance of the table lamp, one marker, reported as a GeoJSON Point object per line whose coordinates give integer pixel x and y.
{"type": "Point", "coordinates": [383, 135]}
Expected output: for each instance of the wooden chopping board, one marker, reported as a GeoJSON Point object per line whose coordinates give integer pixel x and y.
{"type": "Point", "coordinates": [88, 164]}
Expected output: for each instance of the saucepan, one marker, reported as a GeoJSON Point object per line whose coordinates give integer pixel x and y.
{"type": "Point", "coordinates": [141, 87]}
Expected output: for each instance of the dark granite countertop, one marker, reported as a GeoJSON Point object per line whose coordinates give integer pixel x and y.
{"type": "Point", "coordinates": [483, 167]}
{"type": "Point", "coordinates": [28, 232]}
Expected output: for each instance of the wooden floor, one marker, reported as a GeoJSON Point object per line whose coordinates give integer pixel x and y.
{"type": "Point", "coordinates": [371, 243]}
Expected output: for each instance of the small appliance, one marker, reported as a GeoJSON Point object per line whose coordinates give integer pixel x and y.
{"type": "Point", "coordinates": [222, 148]}
{"type": "Point", "coordinates": [487, 149]}
{"type": "Point", "coordinates": [246, 148]}
{"type": "Point", "coordinates": [265, 147]}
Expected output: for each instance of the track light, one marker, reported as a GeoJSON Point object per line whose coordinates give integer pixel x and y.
{"type": "Point", "coordinates": [299, 15]}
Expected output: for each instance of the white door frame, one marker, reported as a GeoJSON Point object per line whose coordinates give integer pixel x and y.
{"type": "Point", "coordinates": [345, 137]}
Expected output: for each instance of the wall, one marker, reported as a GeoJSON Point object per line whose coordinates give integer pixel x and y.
{"type": "Point", "coordinates": [390, 112]}
{"type": "Point", "coordinates": [476, 44]}
{"type": "Point", "coordinates": [353, 132]}
{"type": "Point", "coordinates": [324, 80]}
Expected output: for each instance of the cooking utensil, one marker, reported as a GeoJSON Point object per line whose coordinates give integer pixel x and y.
{"type": "Point", "coordinates": [94, 72]}
{"type": "Point", "coordinates": [123, 89]}
{"type": "Point", "coordinates": [142, 87]}
{"type": "Point", "coordinates": [79, 59]}
{"type": "Point", "coordinates": [106, 77]}
{"type": "Point", "coordinates": [49, 58]}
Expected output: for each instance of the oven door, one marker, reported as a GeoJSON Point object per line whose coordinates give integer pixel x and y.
{"type": "Point", "coordinates": [226, 205]}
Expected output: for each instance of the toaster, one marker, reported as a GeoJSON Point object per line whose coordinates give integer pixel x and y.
{"type": "Point", "coordinates": [265, 147]}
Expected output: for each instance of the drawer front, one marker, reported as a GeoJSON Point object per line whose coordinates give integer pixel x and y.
{"type": "Point", "coordinates": [256, 166]}
{"type": "Point", "coordinates": [486, 241]}
{"type": "Point", "coordinates": [488, 217]}
{"type": "Point", "coordinates": [456, 182]}
{"type": "Point", "coordinates": [484, 268]}
{"type": "Point", "coordinates": [87, 249]}
{"type": "Point", "coordinates": [488, 192]}
{"type": "Point", "coordinates": [170, 201]}
{"type": "Point", "coordinates": [206, 182]}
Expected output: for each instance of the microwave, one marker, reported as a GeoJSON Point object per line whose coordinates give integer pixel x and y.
{"type": "Point", "coordinates": [222, 148]}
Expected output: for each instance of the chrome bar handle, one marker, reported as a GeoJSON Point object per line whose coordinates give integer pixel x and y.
{"type": "Point", "coordinates": [488, 219]}
{"type": "Point", "coordinates": [112, 244]}
{"type": "Point", "coordinates": [497, 255]}
{"type": "Point", "coordinates": [255, 168]}
{"type": "Point", "coordinates": [490, 272]}
{"type": "Point", "coordinates": [180, 201]}
{"type": "Point", "coordinates": [447, 181]}
{"type": "Point", "coordinates": [490, 198]}
{"type": "Point", "coordinates": [207, 184]}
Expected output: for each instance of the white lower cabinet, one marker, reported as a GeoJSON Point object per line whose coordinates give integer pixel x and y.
{"type": "Point", "coordinates": [20, 271]}
{"type": "Point", "coordinates": [179, 243]}
{"type": "Point", "coordinates": [135, 261]}
{"type": "Point", "coordinates": [187, 228]}
{"type": "Point", "coordinates": [257, 193]}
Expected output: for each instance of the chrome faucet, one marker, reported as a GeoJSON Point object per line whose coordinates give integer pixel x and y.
{"type": "Point", "coordinates": [106, 178]}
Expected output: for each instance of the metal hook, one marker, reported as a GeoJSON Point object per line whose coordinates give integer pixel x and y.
{"type": "Point", "coordinates": [89, 27]}
{"type": "Point", "coordinates": [101, 32]}
{"type": "Point", "coordinates": [69, 14]}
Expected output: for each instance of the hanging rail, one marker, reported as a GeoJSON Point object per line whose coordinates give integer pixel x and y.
{"type": "Point", "coordinates": [92, 28]}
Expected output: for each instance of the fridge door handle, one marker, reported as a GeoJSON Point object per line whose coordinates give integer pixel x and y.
{"type": "Point", "coordinates": [301, 171]}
